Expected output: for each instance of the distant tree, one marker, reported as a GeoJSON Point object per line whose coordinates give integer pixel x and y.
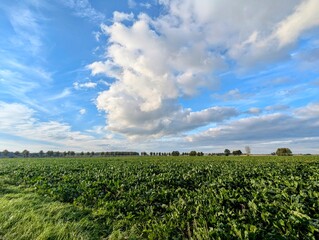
{"type": "Point", "coordinates": [175, 153]}
{"type": "Point", "coordinates": [192, 153]}
{"type": "Point", "coordinates": [248, 150]}
{"type": "Point", "coordinates": [50, 153]}
{"type": "Point", "coordinates": [17, 153]}
{"type": "Point", "coordinates": [41, 153]}
{"type": "Point", "coordinates": [283, 152]}
{"type": "Point", "coordinates": [227, 152]}
{"type": "Point", "coordinates": [200, 154]}
{"type": "Point", "coordinates": [237, 152]}
{"type": "Point", "coordinates": [25, 153]}
{"type": "Point", "coordinates": [5, 152]}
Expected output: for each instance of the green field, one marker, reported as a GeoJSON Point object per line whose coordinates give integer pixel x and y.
{"type": "Point", "coordinates": [160, 198]}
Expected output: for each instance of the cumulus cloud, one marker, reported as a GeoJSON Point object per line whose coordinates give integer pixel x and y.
{"type": "Point", "coordinates": [156, 61]}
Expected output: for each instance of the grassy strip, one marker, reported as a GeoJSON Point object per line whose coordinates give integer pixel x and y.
{"type": "Point", "coordinates": [26, 215]}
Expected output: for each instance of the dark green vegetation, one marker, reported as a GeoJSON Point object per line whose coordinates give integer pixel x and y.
{"type": "Point", "coordinates": [283, 152]}
{"type": "Point", "coordinates": [160, 198]}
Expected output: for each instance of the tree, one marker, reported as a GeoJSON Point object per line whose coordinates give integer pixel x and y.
{"type": "Point", "coordinates": [25, 153]}
{"type": "Point", "coordinates": [200, 154]}
{"type": "Point", "coordinates": [283, 152]}
{"type": "Point", "coordinates": [227, 152]}
{"type": "Point", "coordinates": [247, 149]}
{"type": "Point", "coordinates": [50, 153]}
{"type": "Point", "coordinates": [237, 152]}
{"type": "Point", "coordinates": [5, 152]}
{"type": "Point", "coordinates": [175, 153]}
{"type": "Point", "coordinates": [192, 153]}
{"type": "Point", "coordinates": [41, 153]}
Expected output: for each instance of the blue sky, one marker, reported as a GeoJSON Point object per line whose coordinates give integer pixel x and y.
{"type": "Point", "coordinates": [159, 75]}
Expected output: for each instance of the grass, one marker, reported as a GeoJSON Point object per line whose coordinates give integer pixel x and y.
{"type": "Point", "coordinates": [25, 215]}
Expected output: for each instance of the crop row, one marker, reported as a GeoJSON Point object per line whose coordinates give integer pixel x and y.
{"type": "Point", "coordinates": [178, 198]}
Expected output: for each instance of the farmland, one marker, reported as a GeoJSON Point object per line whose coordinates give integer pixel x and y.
{"type": "Point", "coordinates": [160, 198]}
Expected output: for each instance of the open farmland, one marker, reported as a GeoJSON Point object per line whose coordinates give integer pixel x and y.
{"type": "Point", "coordinates": [160, 198]}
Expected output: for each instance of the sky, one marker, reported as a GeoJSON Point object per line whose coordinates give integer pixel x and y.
{"type": "Point", "coordinates": [159, 75]}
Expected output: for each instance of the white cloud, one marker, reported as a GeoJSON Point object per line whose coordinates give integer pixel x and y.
{"type": "Point", "coordinates": [82, 111]}
{"type": "Point", "coordinates": [302, 123]}
{"type": "Point", "coordinates": [156, 61]}
{"type": "Point", "coordinates": [304, 18]}
{"type": "Point", "coordinates": [254, 110]}
{"type": "Point", "coordinates": [146, 5]}
{"type": "Point", "coordinates": [84, 9]}
{"type": "Point", "coordinates": [78, 85]}
{"type": "Point", "coordinates": [120, 16]}
{"type": "Point", "coordinates": [269, 44]}
{"type": "Point", "coordinates": [65, 93]}
{"type": "Point", "coordinates": [20, 121]}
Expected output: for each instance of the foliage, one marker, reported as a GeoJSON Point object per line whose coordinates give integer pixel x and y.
{"type": "Point", "coordinates": [200, 154]}
{"type": "Point", "coordinates": [25, 153]}
{"type": "Point", "coordinates": [237, 152]}
{"type": "Point", "coordinates": [175, 153]}
{"type": "Point", "coordinates": [227, 152]}
{"type": "Point", "coordinates": [192, 153]}
{"type": "Point", "coordinates": [184, 197]}
{"type": "Point", "coordinates": [283, 152]}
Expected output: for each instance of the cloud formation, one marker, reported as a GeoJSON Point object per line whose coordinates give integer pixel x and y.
{"type": "Point", "coordinates": [300, 123]}
{"type": "Point", "coordinates": [19, 120]}
{"type": "Point", "coordinates": [156, 61]}
{"type": "Point", "coordinates": [84, 9]}
{"type": "Point", "coordinates": [78, 85]}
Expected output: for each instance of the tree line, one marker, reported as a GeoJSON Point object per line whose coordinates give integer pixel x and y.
{"type": "Point", "coordinates": [25, 153]}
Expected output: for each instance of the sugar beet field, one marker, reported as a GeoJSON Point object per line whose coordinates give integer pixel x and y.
{"type": "Point", "coordinates": [160, 198]}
